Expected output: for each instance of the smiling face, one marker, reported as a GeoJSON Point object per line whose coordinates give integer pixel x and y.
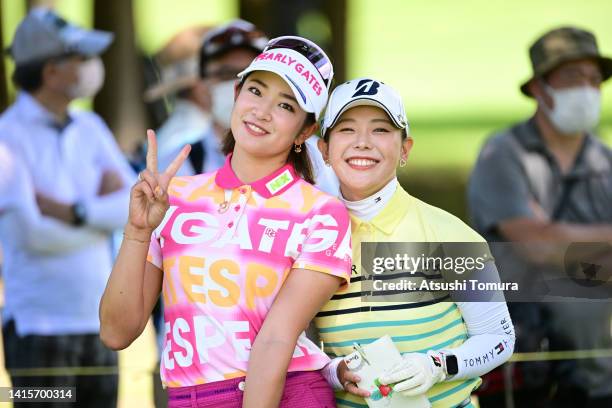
{"type": "Point", "coordinates": [364, 148]}
{"type": "Point", "coordinates": [267, 120]}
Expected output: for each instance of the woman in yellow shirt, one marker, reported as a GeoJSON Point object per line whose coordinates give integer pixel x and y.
{"type": "Point", "coordinates": [446, 341]}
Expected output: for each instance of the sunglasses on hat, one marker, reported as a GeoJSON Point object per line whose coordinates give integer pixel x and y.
{"type": "Point", "coordinates": [236, 34]}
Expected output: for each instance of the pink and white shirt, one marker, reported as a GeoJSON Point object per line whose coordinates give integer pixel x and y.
{"type": "Point", "coordinates": [226, 248]}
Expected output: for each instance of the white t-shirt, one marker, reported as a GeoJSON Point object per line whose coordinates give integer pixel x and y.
{"type": "Point", "coordinates": [55, 273]}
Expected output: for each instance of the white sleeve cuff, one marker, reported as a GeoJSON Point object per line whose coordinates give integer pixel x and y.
{"type": "Point", "coordinates": [330, 372]}
{"type": "Point", "coordinates": [490, 342]}
{"type": "Point", "coordinates": [109, 212]}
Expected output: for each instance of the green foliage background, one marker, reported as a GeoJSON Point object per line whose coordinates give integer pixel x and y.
{"type": "Point", "coordinates": [457, 64]}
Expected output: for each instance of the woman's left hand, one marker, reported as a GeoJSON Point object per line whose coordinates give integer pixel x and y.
{"type": "Point", "coordinates": [415, 375]}
{"type": "Point", "coordinates": [349, 381]}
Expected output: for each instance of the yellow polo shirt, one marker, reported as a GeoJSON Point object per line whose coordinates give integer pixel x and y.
{"type": "Point", "coordinates": [414, 327]}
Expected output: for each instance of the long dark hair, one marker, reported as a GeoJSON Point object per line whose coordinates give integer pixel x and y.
{"type": "Point", "coordinates": [300, 161]}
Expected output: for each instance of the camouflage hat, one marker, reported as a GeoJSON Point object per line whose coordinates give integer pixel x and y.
{"type": "Point", "coordinates": [562, 45]}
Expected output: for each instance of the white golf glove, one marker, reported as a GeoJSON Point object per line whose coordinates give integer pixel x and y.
{"type": "Point", "coordinates": [418, 372]}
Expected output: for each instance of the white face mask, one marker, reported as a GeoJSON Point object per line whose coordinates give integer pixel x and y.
{"type": "Point", "coordinates": [90, 79]}
{"type": "Point", "coordinates": [575, 110]}
{"type": "Point", "coordinates": [223, 102]}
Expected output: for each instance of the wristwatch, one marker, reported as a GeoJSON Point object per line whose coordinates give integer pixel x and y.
{"type": "Point", "coordinates": [79, 213]}
{"type": "Point", "coordinates": [450, 364]}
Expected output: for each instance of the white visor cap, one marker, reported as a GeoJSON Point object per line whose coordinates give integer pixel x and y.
{"type": "Point", "coordinates": [299, 73]}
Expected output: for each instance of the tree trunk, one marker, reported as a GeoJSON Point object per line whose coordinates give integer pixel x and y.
{"type": "Point", "coordinates": [36, 3]}
{"type": "Point", "coordinates": [319, 20]}
{"type": "Point", "coordinates": [120, 101]}
{"type": "Point", "coordinates": [336, 11]}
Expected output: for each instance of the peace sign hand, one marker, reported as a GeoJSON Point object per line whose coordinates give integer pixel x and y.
{"type": "Point", "coordinates": [149, 196]}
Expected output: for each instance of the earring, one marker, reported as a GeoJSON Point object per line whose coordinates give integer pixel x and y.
{"type": "Point", "coordinates": [297, 148]}
{"type": "Point", "coordinates": [327, 163]}
{"type": "Point", "coordinates": [402, 162]}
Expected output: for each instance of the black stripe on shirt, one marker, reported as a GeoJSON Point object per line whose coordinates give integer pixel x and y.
{"type": "Point", "coordinates": [382, 308]}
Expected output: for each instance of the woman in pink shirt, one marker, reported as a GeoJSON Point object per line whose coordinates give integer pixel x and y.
{"type": "Point", "coordinates": [244, 256]}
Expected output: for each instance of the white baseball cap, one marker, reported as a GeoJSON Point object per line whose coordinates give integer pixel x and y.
{"type": "Point", "coordinates": [364, 91]}
{"type": "Point", "coordinates": [43, 34]}
{"type": "Point", "coordinates": [301, 75]}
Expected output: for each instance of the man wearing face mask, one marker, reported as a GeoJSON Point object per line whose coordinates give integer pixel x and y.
{"type": "Point", "coordinates": [64, 187]}
{"type": "Point", "coordinates": [224, 52]}
{"type": "Point", "coordinates": [549, 179]}
{"type": "Point", "coordinates": [179, 81]}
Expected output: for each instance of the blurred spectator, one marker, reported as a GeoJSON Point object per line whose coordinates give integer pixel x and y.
{"type": "Point", "coordinates": [64, 187]}
{"type": "Point", "coordinates": [550, 179]}
{"type": "Point", "coordinates": [180, 84]}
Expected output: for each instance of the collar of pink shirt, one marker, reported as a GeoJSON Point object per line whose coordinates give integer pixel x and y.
{"type": "Point", "coordinates": [274, 184]}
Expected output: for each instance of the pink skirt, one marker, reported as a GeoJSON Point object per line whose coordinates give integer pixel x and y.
{"type": "Point", "coordinates": [303, 389]}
